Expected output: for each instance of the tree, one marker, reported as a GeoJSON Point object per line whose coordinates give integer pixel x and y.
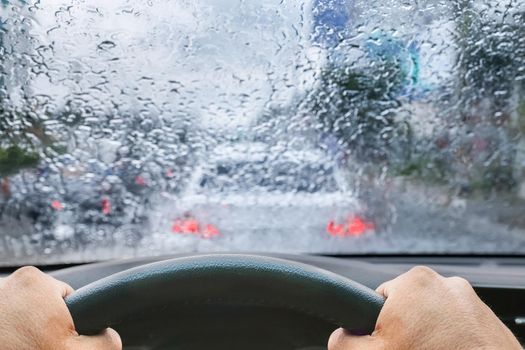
{"type": "Point", "coordinates": [490, 60]}
{"type": "Point", "coordinates": [20, 128]}
{"type": "Point", "coordinates": [358, 106]}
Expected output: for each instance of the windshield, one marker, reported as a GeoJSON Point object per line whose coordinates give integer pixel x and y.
{"type": "Point", "coordinates": [138, 128]}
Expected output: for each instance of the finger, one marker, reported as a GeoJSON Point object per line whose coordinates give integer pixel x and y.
{"type": "Point", "coordinates": [107, 340]}
{"type": "Point", "coordinates": [386, 289]}
{"type": "Point", "coordinates": [383, 289]}
{"type": "Point", "coordinates": [62, 288]}
{"type": "Point", "coordinates": [65, 289]}
{"type": "Point", "coordinates": [417, 276]}
{"type": "Point", "coordinates": [342, 340]}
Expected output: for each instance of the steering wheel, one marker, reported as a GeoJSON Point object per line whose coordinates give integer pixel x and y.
{"type": "Point", "coordinates": [186, 293]}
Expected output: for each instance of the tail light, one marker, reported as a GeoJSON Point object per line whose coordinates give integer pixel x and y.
{"type": "Point", "coordinates": [57, 205]}
{"type": "Point", "coordinates": [106, 206]}
{"type": "Point", "coordinates": [358, 226]}
{"type": "Point", "coordinates": [194, 227]}
{"type": "Point", "coordinates": [354, 226]}
{"type": "Point", "coordinates": [140, 181]}
{"type": "Point", "coordinates": [210, 231]}
{"type": "Point", "coordinates": [335, 229]}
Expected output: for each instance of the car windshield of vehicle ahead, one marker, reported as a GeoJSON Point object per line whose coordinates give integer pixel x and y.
{"type": "Point", "coordinates": [136, 128]}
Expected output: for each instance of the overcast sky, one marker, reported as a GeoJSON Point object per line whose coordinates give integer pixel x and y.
{"type": "Point", "coordinates": [219, 58]}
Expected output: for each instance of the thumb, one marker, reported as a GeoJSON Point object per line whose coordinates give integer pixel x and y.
{"type": "Point", "coordinates": [342, 340]}
{"type": "Point", "coordinates": [109, 339]}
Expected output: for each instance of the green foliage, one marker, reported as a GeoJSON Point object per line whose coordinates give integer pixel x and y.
{"type": "Point", "coordinates": [19, 140]}
{"type": "Point", "coordinates": [14, 159]}
{"type": "Point", "coordinates": [493, 178]}
{"type": "Point", "coordinates": [492, 53]}
{"type": "Point", "coordinates": [424, 167]}
{"type": "Point", "coordinates": [358, 107]}
{"type": "Point", "coordinates": [491, 60]}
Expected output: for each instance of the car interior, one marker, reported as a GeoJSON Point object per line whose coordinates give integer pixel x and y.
{"type": "Point", "coordinates": [157, 303]}
{"type": "Point", "coordinates": [244, 174]}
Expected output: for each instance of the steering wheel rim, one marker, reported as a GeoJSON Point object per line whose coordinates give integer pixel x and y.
{"type": "Point", "coordinates": [236, 280]}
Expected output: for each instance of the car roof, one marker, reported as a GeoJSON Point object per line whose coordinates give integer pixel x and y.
{"type": "Point", "coordinates": [261, 152]}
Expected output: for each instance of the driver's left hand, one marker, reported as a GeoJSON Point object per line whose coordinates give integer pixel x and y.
{"type": "Point", "coordinates": [34, 316]}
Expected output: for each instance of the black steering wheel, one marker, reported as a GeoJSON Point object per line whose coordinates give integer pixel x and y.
{"type": "Point", "coordinates": [197, 296]}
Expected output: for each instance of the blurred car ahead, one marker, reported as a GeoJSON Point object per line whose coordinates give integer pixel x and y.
{"type": "Point", "coordinates": [234, 188]}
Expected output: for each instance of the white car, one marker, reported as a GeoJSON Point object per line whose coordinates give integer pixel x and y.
{"type": "Point", "coordinates": [289, 194]}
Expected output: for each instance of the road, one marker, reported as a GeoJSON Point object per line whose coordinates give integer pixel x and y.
{"type": "Point", "coordinates": [426, 222]}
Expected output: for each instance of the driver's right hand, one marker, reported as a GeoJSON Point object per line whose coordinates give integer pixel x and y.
{"type": "Point", "coordinates": [426, 311]}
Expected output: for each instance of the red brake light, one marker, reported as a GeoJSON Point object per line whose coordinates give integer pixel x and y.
{"type": "Point", "coordinates": [139, 180]}
{"type": "Point", "coordinates": [176, 227]}
{"type": "Point", "coordinates": [354, 227]}
{"type": "Point", "coordinates": [192, 226]}
{"type": "Point", "coordinates": [57, 205]}
{"type": "Point", "coordinates": [335, 229]}
{"type": "Point", "coordinates": [358, 226]}
{"type": "Point", "coordinates": [210, 231]}
{"type": "Point", "coordinates": [106, 206]}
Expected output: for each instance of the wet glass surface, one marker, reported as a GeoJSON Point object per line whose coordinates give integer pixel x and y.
{"type": "Point", "coordinates": [136, 128]}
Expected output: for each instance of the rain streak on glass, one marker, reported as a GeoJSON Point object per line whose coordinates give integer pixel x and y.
{"type": "Point", "coordinates": [133, 128]}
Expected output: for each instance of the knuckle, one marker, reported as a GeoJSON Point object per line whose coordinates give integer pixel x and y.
{"type": "Point", "coordinates": [27, 277]}
{"type": "Point", "coordinates": [460, 282]}
{"type": "Point", "coordinates": [422, 276]}
{"type": "Point", "coordinates": [28, 273]}
{"type": "Point", "coordinates": [423, 271]}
